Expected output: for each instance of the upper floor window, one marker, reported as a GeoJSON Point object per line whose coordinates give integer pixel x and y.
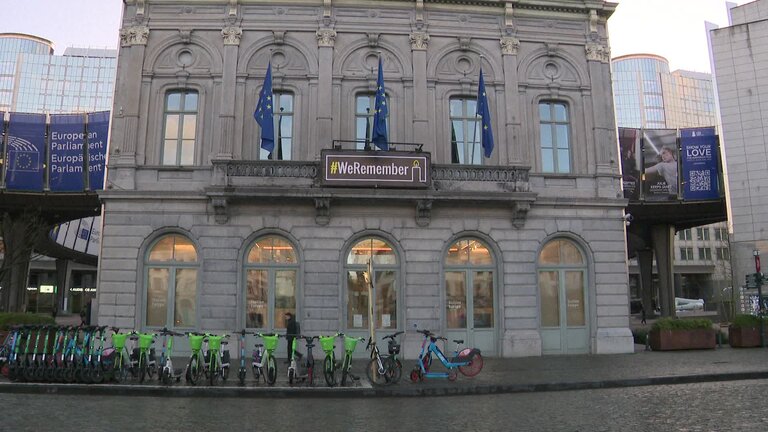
{"type": "Point", "coordinates": [684, 234]}
{"type": "Point", "coordinates": [179, 127]}
{"type": "Point", "coordinates": [283, 120]}
{"type": "Point", "coordinates": [554, 128]}
{"type": "Point", "coordinates": [466, 129]}
{"type": "Point", "coordinates": [364, 107]}
{"type": "Point", "coordinates": [705, 254]}
{"type": "Point", "coordinates": [686, 254]}
{"type": "Point", "coordinates": [702, 233]}
{"type": "Point", "coordinates": [721, 234]}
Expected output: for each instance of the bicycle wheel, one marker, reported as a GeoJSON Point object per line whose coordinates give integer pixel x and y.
{"type": "Point", "coordinates": [97, 374]}
{"type": "Point", "coordinates": [271, 370]}
{"type": "Point", "coordinates": [329, 371]}
{"type": "Point", "coordinates": [142, 367]}
{"type": "Point", "coordinates": [345, 370]}
{"type": "Point", "coordinates": [256, 370]}
{"type": "Point", "coordinates": [474, 367]}
{"type": "Point", "coordinates": [241, 376]}
{"type": "Point", "coordinates": [375, 375]}
{"type": "Point", "coordinates": [394, 370]}
{"type": "Point", "coordinates": [224, 373]}
{"type": "Point", "coordinates": [291, 375]}
{"type": "Point", "coordinates": [194, 370]}
{"type": "Point", "coordinates": [213, 372]}
{"type": "Point", "coordinates": [311, 375]}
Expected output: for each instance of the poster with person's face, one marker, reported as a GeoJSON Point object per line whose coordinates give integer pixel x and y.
{"type": "Point", "coordinates": [660, 163]}
{"type": "Point", "coordinates": [631, 164]}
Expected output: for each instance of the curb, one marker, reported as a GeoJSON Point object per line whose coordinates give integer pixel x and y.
{"type": "Point", "coordinates": [411, 390]}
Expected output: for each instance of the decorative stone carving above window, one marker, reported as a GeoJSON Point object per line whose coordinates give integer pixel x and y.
{"type": "Point", "coordinates": [232, 35]}
{"type": "Point", "coordinates": [598, 52]}
{"type": "Point", "coordinates": [419, 41]}
{"type": "Point", "coordinates": [509, 45]}
{"type": "Point", "coordinates": [322, 211]}
{"type": "Point", "coordinates": [220, 209]}
{"type": "Point", "coordinates": [326, 37]}
{"type": "Point", "coordinates": [423, 212]}
{"type": "Point", "coordinates": [134, 35]}
{"type": "Point", "coordinates": [520, 211]}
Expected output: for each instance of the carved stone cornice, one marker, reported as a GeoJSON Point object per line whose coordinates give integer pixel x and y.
{"type": "Point", "coordinates": [322, 211]}
{"type": "Point", "coordinates": [326, 37]}
{"type": "Point", "coordinates": [419, 41]}
{"type": "Point", "coordinates": [220, 209]}
{"type": "Point", "coordinates": [423, 212]}
{"type": "Point", "coordinates": [509, 45]}
{"type": "Point", "coordinates": [232, 35]}
{"type": "Point", "coordinates": [134, 35]}
{"type": "Point", "coordinates": [598, 52]}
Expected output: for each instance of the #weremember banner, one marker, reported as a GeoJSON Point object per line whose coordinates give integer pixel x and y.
{"type": "Point", "coordinates": [26, 152]}
{"type": "Point", "coordinates": [699, 163]}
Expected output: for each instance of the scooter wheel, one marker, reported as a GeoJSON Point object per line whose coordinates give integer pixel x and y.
{"type": "Point", "coordinates": [452, 375]}
{"type": "Point", "coordinates": [415, 375]}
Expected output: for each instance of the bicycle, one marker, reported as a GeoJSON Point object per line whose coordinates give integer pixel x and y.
{"type": "Point", "coordinates": [382, 370]}
{"type": "Point", "coordinates": [167, 373]}
{"type": "Point", "coordinates": [94, 370]}
{"type": "Point", "coordinates": [268, 357]}
{"type": "Point", "coordinates": [468, 361]}
{"type": "Point", "coordinates": [120, 357]}
{"type": "Point", "coordinates": [350, 343]}
{"type": "Point", "coordinates": [217, 364]}
{"type": "Point", "coordinates": [328, 345]}
{"type": "Point", "coordinates": [196, 364]}
{"type": "Point", "coordinates": [242, 372]}
{"type": "Point", "coordinates": [145, 358]}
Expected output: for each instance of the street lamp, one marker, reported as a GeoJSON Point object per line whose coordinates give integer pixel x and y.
{"type": "Point", "coordinates": [759, 280]}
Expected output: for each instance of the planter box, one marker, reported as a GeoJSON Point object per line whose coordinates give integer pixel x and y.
{"type": "Point", "coordinates": [744, 337]}
{"type": "Point", "coordinates": [668, 340]}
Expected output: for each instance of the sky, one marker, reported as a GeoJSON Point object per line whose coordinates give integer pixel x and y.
{"type": "Point", "coordinates": [671, 28]}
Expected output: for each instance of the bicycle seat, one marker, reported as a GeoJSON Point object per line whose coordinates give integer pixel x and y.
{"type": "Point", "coordinates": [459, 341]}
{"type": "Point", "coordinates": [259, 345]}
{"type": "Point", "coordinates": [224, 342]}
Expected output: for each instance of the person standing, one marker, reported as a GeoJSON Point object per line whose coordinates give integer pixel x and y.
{"type": "Point", "coordinates": [291, 332]}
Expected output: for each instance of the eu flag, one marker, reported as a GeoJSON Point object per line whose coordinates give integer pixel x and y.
{"type": "Point", "coordinates": [484, 112]}
{"type": "Point", "coordinates": [264, 112]}
{"type": "Point", "coordinates": [380, 113]}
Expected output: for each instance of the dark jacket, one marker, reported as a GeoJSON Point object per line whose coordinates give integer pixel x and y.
{"type": "Point", "coordinates": [292, 328]}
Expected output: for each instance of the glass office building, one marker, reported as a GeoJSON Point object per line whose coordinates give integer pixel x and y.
{"type": "Point", "coordinates": [34, 80]}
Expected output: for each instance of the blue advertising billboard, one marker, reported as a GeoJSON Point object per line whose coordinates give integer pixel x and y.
{"type": "Point", "coordinates": [26, 152]}
{"type": "Point", "coordinates": [98, 129]}
{"type": "Point", "coordinates": [700, 164]}
{"type": "Point", "coordinates": [67, 135]}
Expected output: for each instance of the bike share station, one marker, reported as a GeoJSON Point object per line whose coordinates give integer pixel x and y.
{"type": "Point", "coordinates": [79, 354]}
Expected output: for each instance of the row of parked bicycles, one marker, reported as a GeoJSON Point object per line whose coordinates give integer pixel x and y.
{"type": "Point", "coordinates": [45, 353]}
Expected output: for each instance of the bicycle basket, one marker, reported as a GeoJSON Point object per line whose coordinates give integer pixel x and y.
{"type": "Point", "coordinates": [350, 343]}
{"type": "Point", "coordinates": [196, 342]}
{"type": "Point", "coordinates": [145, 340]}
{"type": "Point", "coordinates": [118, 340]}
{"type": "Point", "coordinates": [270, 342]}
{"type": "Point", "coordinates": [394, 347]}
{"type": "Point", "coordinates": [327, 343]}
{"type": "Point", "coordinates": [214, 342]}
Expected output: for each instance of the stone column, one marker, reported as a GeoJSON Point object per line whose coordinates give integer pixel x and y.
{"type": "Point", "coordinates": [663, 245]}
{"type": "Point", "coordinates": [599, 57]}
{"type": "Point", "coordinates": [419, 43]}
{"type": "Point", "coordinates": [326, 38]}
{"type": "Point", "coordinates": [231, 35]}
{"type": "Point", "coordinates": [512, 124]}
{"type": "Point", "coordinates": [645, 262]}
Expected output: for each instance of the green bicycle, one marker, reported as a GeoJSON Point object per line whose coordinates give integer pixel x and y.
{"type": "Point", "coordinates": [146, 359]}
{"type": "Point", "coordinates": [327, 343]}
{"type": "Point", "coordinates": [268, 360]}
{"type": "Point", "coordinates": [196, 364]}
{"type": "Point", "coordinates": [217, 364]}
{"type": "Point", "coordinates": [121, 359]}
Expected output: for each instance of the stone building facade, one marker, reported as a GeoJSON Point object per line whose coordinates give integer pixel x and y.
{"type": "Point", "coordinates": [520, 253]}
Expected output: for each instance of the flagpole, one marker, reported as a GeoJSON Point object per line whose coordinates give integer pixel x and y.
{"type": "Point", "coordinates": [371, 290]}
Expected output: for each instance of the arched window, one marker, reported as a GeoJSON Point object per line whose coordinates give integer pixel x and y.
{"type": "Point", "coordinates": [171, 265]}
{"type": "Point", "coordinates": [562, 271]}
{"type": "Point", "coordinates": [283, 115]}
{"type": "Point", "coordinates": [466, 129]}
{"type": "Point", "coordinates": [469, 279]}
{"type": "Point", "coordinates": [364, 111]}
{"type": "Point", "coordinates": [385, 270]}
{"type": "Point", "coordinates": [271, 277]}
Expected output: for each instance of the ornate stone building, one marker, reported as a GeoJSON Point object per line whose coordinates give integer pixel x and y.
{"type": "Point", "coordinates": [520, 253]}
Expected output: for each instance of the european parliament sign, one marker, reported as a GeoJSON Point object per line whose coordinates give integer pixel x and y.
{"type": "Point", "coordinates": [389, 169]}
{"type": "Point", "coordinates": [71, 155]}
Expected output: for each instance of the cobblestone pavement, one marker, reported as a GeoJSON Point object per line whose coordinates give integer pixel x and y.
{"type": "Point", "coordinates": [499, 375]}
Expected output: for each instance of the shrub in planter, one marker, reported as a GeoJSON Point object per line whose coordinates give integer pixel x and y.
{"type": "Point", "coordinates": [640, 335]}
{"type": "Point", "coordinates": [744, 331]}
{"type": "Point", "coordinates": [677, 334]}
{"type": "Point", "coordinates": [10, 319]}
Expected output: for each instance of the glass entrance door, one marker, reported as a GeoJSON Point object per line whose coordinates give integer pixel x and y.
{"type": "Point", "coordinates": [563, 312]}
{"type": "Point", "coordinates": [469, 313]}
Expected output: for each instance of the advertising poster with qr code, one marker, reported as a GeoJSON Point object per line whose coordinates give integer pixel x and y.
{"type": "Point", "coordinates": [700, 164]}
{"type": "Point", "coordinates": [660, 162]}
{"type": "Point", "coordinates": [631, 164]}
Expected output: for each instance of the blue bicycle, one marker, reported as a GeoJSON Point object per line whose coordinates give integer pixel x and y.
{"type": "Point", "coordinates": [468, 361]}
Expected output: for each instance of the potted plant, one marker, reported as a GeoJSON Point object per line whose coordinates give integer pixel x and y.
{"type": "Point", "coordinates": [679, 334]}
{"type": "Point", "coordinates": [744, 331]}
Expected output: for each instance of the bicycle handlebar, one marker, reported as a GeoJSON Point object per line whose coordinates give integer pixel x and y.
{"type": "Point", "coordinates": [393, 335]}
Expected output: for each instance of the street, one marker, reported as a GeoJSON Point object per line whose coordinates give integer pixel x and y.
{"type": "Point", "coordinates": [719, 406]}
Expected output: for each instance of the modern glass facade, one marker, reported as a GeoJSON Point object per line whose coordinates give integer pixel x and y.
{"type": "Point", "coordinates": [33, 80]}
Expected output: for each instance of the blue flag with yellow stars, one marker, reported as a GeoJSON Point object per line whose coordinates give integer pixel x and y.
{"type": "Point", "coordinates": [484, 112]}
{"type": "Point", "coordinates": [264, 112]}
{"type": "Point", "coordinates": [380, 113]}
